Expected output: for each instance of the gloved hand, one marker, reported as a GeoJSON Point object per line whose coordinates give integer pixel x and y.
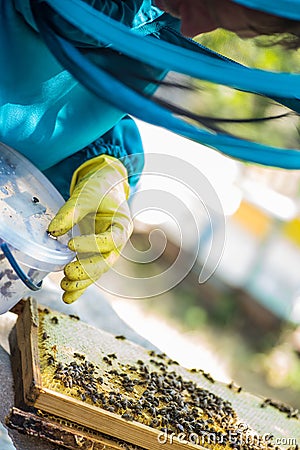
{"type": "Point", "coordinates": [98, 204]}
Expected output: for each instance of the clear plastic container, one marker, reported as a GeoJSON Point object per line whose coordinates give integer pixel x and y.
{"type": "Point", "coordinates": [28, 202]}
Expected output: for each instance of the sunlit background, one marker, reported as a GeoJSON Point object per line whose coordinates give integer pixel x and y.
{"type": "Point", "coordinates": [244, 323]}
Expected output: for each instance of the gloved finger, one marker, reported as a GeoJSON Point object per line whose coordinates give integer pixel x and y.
{"type": "Point", "coordinates": [64, 220]}
{"type": "Point", "coordinates": [71, 297]}
{"type": "Point", "coordinates": [99, 243]}
{"type": "Point", "coordinates": [72, 212]}
{"type": "Point", "coordinates": [91, 225]}
{"type": "Point", "coordinates": [69, 285]}
{"type": "Point", "coordinates": [90, 268]}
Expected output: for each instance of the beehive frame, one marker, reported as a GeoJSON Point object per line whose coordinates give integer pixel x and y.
{"type": "Point", "coordinates": [31, 332]}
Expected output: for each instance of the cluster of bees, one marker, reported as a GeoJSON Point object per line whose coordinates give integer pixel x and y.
{"type": "Point", "coordinates": [159, 398]}
{"type": "Point", "coordinates": [7, 276]}
{"type": "Point", "coordinates": [153, 393]}
{"type": "Point", "coordinates": [291, 413]}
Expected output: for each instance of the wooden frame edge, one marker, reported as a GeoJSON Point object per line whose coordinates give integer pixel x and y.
{"type": "Point", "coordinates": [27, 341]}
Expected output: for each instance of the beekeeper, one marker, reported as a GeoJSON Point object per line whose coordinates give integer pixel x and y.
{"type": "Point", "coordinates": [73, 71]}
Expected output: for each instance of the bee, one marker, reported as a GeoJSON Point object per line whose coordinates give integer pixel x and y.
{"type": "Point", "coordinates": [10, 275]}
{"type": "Point", "coordinates": [208, 377]}
{"type": "Point", "coordinates": [4, 290]}
{"type": "Point", "coordinates": [127, 416]}
{"type": "Point", "coordinates": [79, 356]}
{"type": "Point", "coordinates": [50, 361]}
{"type": "Point", "coordinates": [73, 316]}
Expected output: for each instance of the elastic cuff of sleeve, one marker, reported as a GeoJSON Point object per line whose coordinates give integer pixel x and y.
{"type": "Point", "coordinates": [90, 166]}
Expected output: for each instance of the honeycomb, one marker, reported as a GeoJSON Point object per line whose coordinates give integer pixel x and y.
{"type": "Point", "coordinates": [143, 386]}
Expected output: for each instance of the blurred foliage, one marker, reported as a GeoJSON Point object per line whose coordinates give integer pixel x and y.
{"type": "Point", "coordinates": [265, 361]}
{"type": "Point", "coordinates": [258, 52]}
{"type": "Point", "coordinates": [221, 101]}
{"type": "Point", "coordinates": [281, 365]}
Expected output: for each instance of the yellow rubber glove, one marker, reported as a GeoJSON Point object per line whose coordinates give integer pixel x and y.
{"type": "Point", "coordinates": [98, 204]}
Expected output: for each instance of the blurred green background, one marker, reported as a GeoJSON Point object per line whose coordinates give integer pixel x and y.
{"type": "Point", "coordinates": [258, 53]}
{"type": "Point", "coordinates": [247, 329]}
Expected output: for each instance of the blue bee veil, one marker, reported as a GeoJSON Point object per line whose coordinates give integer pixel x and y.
{"type": "Point", "coordinates": [197, 62]}
{"type": "Point", "coordinates": [283, 8]}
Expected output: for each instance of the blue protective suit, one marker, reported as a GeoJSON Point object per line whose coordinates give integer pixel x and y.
{"type": "Point", "coordinates": [282, 8]}
{"type": "Point", "coordinates": [46, 114]}
{"type": "Point", "coordinates": [60, 110]}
